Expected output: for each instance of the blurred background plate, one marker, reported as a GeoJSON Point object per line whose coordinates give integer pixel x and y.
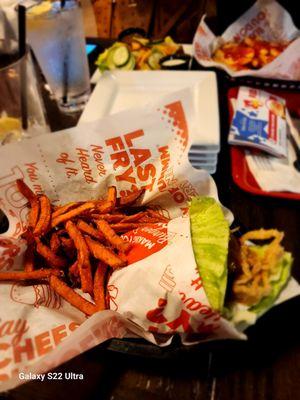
{"type": "Point", "coordinates": [187, 48]}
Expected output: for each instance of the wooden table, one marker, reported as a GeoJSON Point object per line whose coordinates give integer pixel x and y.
{"type": "Point", "coordinates": [267, 366]}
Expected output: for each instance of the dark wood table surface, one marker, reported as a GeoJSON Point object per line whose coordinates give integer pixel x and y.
{"type": "Point", "coordinates": [267, 366]}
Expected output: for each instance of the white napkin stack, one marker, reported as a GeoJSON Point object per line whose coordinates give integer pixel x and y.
{"type": "Point", "coordinates": [277, 174]}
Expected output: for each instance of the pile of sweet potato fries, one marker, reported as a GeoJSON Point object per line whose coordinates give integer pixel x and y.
{"type": "Point", "coordinates": [78, 245]}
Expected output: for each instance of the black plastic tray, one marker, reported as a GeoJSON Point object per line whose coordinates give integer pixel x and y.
{"type": "Point", "coordinates": [262, 83]}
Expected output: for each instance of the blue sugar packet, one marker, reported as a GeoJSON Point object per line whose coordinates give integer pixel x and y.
{"type": "Point", "coordinates": [259, 121]}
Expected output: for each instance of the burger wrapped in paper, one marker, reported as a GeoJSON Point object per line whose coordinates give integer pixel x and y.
{"type": "Point", "coordinates": [250, 271]}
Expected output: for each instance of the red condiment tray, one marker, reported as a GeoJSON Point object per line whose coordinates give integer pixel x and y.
{"type": "Point", "coordinates": [241, 173]}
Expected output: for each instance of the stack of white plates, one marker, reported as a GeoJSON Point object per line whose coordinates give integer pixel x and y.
{"type": "Point", "coordinates": [119, 90]}
{"type": "Point", "coordinates": [204, 159]}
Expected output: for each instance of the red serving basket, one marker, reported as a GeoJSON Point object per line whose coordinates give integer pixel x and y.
{"type": "Point", "coordinates": [241, 173]}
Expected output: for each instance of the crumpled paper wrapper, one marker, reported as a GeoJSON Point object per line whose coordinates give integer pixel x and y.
{"type": "Point", "coordinates": [267, 19]}
{"type": "Point", "coordinates": [161, 292]}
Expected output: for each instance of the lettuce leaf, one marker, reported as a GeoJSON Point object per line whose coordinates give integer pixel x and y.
{"type": "Point", "coordinates": [243, 316]}
{"type": "Point", "coordinates": [284, 266]}
{"type": "Point", "coordinates": [210, 237]}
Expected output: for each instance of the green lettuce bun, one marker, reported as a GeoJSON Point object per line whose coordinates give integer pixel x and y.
{"type": "Point", "coordinates": [243, 316]}
{"type": "Point", "coordinates": [210, 237]}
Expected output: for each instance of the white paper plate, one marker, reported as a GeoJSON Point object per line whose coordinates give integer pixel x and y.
{"type": "Point", "coordinates": [120, 90]}
{"type": "Point", "coordinates": [187, 48]}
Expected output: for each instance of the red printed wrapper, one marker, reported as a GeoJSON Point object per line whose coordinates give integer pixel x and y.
{"type": "Point", "coordinates": [267, 19]}
{"type": "Point", "coordinates": [166, 291]}
{"type": "Point", "coordinates": [160, 292]}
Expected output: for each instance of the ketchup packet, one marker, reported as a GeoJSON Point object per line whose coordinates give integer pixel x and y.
{"type": "Point", "coordinates": [259, 122]}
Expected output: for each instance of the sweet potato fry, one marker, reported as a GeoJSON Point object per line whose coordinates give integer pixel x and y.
{"type": "Point", "coordinates": [54, 242]}
{"type": "Point", "coordinates": [34, 213]}
{"type": "Point", "coordinates": [99, 286]}
{"type": "Point", "coordinates": [105, 207]}
{"type": "Point", "coordinates": [102, 253]}
{"type": "Point", "coordinates": [130, 198]}
{"type": "Point", "coordinates": [28, 236]}
{"type": "Point", "coordinates": [155, 214]}
{"type": "Point", "coordinates": [72, 213]}
{"type": "Point", "coordinates": [45, 216]}
{"type": "Point", "coordinates": [73, 270]}
{"type": "Point", "coordinates": [63, 209]}
{"type": "Point", "coordinates": [111, 236]}
{"type": "Point", "coordinates": [29, 259]}
{"type": "Point", "coordinates": [86, 228]}
{"type": "Point", "coordinates": [53, 260]}
{"type": "Point", "coordinates": [133, 218]}
{"type": "Point", "coordinates": [123, 257]}
{"type": "Point", "coordinates": [112, 218]}
{"type": "Point", "coordinates": [74, 274]}
{"type": "Point", "coordinates": [61, 232]}
{"type": "Point", "coordinates": [71, 296]}
{"type": "Point", "coordinates": [122, 227]}
{"type": "Point", "coordinates": [25, 190]}
{"type": "Point", "coordinates": [33, 200]}
{"type": "Point", "coordinates": [84, 265]}
{"type": "Point", "coordinates": [30, 275]}
{"type": "Point", "coordinates": [112, 196]}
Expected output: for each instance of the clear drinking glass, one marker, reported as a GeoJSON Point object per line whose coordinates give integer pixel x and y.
{"type": "Point", "coordinates": [55, 32]}
{"type": "Point", "coordinates": [21, 107]}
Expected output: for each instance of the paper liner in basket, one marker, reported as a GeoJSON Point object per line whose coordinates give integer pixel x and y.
{"type": "Point", "coordinates": [156, 296]}
{"type": "Point", "coordinates": [267, 19]}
